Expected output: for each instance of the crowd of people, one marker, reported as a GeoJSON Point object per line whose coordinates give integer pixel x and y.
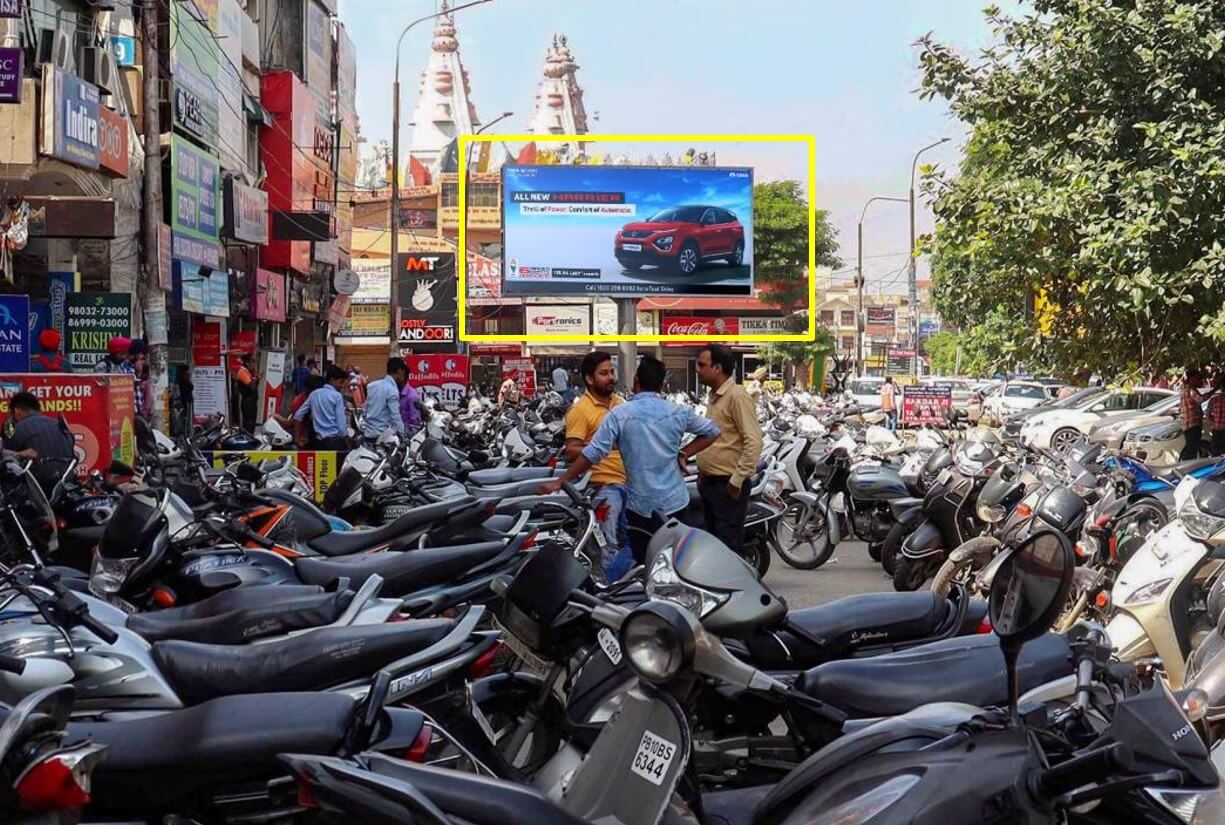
{"type": "Point", "coordinates": [638, 464]}
{"type": "Point", "coordinates": [318, 412]}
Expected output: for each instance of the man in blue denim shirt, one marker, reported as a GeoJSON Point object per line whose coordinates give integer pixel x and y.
{"type": "Point", "coordinates": [648, 431]}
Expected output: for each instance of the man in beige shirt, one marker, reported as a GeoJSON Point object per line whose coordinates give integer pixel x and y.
{"type": "Point", "coordinates": [726, 468]}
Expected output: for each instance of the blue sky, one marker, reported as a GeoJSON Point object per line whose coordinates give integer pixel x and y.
{"type": "Point", "coordinates": [843, 71]}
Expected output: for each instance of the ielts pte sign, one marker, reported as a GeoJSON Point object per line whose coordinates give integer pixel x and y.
{"type": "Point", "coordinates": [442, 377]}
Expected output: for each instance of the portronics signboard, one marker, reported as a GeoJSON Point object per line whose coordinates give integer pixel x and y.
{"type": "Point", "coordinates": [553, 319]}
{"type": "Point", "coordinates": [627, 230]}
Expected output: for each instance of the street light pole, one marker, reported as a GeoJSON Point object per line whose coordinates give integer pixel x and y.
{"type": "Point", "coordinates": [914, 289]}
{"type": "Point", "coordinates": [395, 161]}
{"type": "Point", "coordinates": [861, 321]}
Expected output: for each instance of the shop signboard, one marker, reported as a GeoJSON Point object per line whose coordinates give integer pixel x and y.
{"type": "Point", "coordinates": [366, 321]}
{"type": "Point", "coordinates": [558, 319]}
{"type": "Point", "coordinates": [69, 118]}
{"type": "Point", "coordinates": [414, 331]}
{"type": "Point", "coordinates": [10, 74]}
{"type": "Point", "coordinates": [246, 212]}
{"type": "Point", "coordinates": [374, 281]}
{"type": "Point", "coordinates": [272, 382]}
{"type": "Point", "coordinates": [627, 230]}
{"type": "Point", "coordinates": [203, 294]}
{"type": "Point", "coordinates": [113, 142]}
{"type": "Point", "coordinates": [226, 23]}
{"type": "Point", "coordinates": [194, 70]}
{"type": "Point", "coordinates": [926, 404]}
{"type": "Point", "coordinates": [523, 372]}
{"type": "Point", "coordinates": [426, 282]}
{"type": "Point", "coordinates": [242, 343]}
{"type": "Point", "coordinates": [319, 52]}
{"type": "Point", "coordinates": [881, 319]}
{"type": "Point", "coordinates": [92, 319]}
{"type": "Point", "coordinates": [195, 193]}
{"type": "Point", "coordinates": [442, 377]}
{"type": "Point", "coordinates": [690, 325]}
{"type": "Point", "coordinates": [750, 327]}
{"type": "Point", "coordinates": [484, 279]}
{"type": "Point", "coordinates": [496, 350]}
{"type": "Point", "coordinates": [10, 8]}
{"type": "Point", "coordinates": [124, 48]}
{"type": "Point", "coordinates": [99, 410]}
{"type": "Point", "coordinates": [209, 391]}
{"type": "Point", "coordinates": [270, 297]}
{"type": "Point", "coordinates": [14, 333]}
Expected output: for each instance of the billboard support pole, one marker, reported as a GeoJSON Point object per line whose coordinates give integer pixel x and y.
{"type": "Point", "coordinates": [627, 324]}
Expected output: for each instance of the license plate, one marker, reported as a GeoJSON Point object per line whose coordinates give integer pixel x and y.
{"type": "Point", "coordinates": [632, 247]}
{"type": "Point", "coordinates": [610, 645]}
{"type": "Point", "coordinates": [653, 758]}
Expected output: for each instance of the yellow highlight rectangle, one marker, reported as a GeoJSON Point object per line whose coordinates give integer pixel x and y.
{"type": "Point", "coordinates": [462, 258]}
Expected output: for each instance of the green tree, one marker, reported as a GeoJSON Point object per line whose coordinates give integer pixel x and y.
{"type": "Point", "coordinates": [780, 242]}
{"type": "Point", "coordinates": [1092, 180]}
{"type": "Point", "coordinates": [799, 353]}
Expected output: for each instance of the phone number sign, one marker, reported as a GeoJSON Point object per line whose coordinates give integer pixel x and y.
{"type": "Point", "coordinates": [91, 320]}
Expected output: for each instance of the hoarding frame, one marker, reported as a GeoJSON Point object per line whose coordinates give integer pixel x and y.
{"type": "Point", "coordinates": [461, 261]}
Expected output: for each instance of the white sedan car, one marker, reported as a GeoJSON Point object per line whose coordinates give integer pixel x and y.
{"type": "Point", "coordinates": [1059, 429]}
{"type": "Point", "coordinates": [1013, 397]}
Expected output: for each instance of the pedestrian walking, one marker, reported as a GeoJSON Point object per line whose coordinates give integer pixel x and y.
{"type": "Point", "coordinates": [648, 429]}
{"type": "Point", "coordinates": [383, 402]}
{"type": "Point", "coordinates": [1216, 415]}
{"type": "Point", "coordinates": [726, 467]}
{"type": "Point", "coordinates": [888, 403]}
{"type": "Point", "coordinates": [184, 416]}
{"type": "Point", "coordinates": [326, 407]}
{"type": "Point", "coordinates": [300, 374]}
{"type": "Point", "coordinates": [410, 407]}
{"type": "Point", "coordinates": [583, 420]}
{"type": "Point", "coordinates": [561, 381]}
{"type": "Point", "coordinates": [247, 385]}
{"type": "Point", "coordinates": [1192, 415]}
{"type": "Point", "coordinates": [115, 361]}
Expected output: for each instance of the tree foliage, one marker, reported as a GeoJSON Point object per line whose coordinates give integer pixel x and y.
{"type": "Point", "coordinates": [1093, 178]}
{"type": "Point", "coordinates": [979, 351]}
{"type": "Point", "coordinates": [780, 242]}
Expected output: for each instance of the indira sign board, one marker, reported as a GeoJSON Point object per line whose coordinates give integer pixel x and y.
{"type": "Point", "coordinates": [70, 118]}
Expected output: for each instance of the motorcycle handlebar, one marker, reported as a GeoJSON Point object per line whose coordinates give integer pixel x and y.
{"type": "Point", "coordinates": [570, 490]}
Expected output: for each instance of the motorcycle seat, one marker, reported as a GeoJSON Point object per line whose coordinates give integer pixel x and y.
{"type": "Point", "coordinates": [167, 755]}
{"type": "Point", "coordinates": [871, 619]}
{"type": "Point", "coordinates": [311, 661]}
{"type": "Point", "coordinates": [243, 614]}
{"type": "Point", "coordinates": [403, 572]}
{"type": "Point", "coordinates": [966, 669]}
{"type": "Point", "coordinates": [1176, 471]}
{"type": "Point", "coordinates": [511, 489]}
{"type": "Point", "coordinates": [346, 543]}
{"type": "Point", "coordinates": [898, 507]}
{"type": "Point", "coordinates": [506, 475]}
{"type": "Point", "coordinates": [536, 504]}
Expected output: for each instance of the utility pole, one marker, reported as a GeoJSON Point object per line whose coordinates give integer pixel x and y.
{"type": "Point", "coordinates": [914, 289]}
{"type": "Point", "coordinates": [154, 298]}
{"type": "Point", "coordinates": [861, 321]}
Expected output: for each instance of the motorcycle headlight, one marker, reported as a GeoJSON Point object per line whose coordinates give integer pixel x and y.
{"type": "Point", "coordinates": [990, 513]}
{"type": "Point", "coordinates": [1192, 807]}
{"type": "Point", "coordinates": [657, 641]}
{"type": "Point", "coordinates": [1148, 592]}
{"type": "Point", "coordinates": [665, 584]}
{"type": "Point", "coordinates": [107, 576]}
{"type": "Point", "coordinates": [862, 809]}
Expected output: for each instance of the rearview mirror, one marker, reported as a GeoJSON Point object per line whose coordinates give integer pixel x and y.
{"type": "Point", "coordinates": [1028, 592]}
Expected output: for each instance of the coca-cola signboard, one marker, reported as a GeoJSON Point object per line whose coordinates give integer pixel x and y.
{"type": "Point", "coordinates": [441, 377]}
{"type": "Point", "coordinates": [690, 325]}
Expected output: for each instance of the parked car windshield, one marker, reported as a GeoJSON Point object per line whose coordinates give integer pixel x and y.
{"type": "Point", "coordinates": [684, 214]}
{"type": "Point", "coordinates": [866, 387]}
{"type": "Point", "coordinates": [1024, 391]}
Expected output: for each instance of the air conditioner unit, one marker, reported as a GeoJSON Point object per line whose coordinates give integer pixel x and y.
{"type": "Point", "coordinates": [98, 67]}
{"type": "Point", "coordinates": [55, 47]}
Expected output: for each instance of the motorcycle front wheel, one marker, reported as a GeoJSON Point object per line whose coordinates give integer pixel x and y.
{"type": "Point", "coordinates": [910, 574]}
{"type": "Point", "coordinates": [802, 539]}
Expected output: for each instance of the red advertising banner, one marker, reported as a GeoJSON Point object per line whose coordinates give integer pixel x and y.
{"type": "Point", "coordinates": [206, 343]}
{"type": "Point", "coordinates": [496, 350]}
{"type": "Point", "coordinates": [523, 371]}
{"type": "Point", "coordinates": [270, 296]}
{"type": "Point", "coordinates": [441, 377]}
{"type": "Point", "coordinates": [692, 325]}
{"type": "Point", "coordinates": [241, 343]}
{"type": "Point", "coordinates": [99, 409]}
{"type": "Point", "coordinates": [926, 404]}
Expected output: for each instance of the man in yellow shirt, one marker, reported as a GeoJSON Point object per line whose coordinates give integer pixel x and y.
{"type": "Point", "coordinates": [726, 468]}
{"type": "Point", "coordinates": [608, 476]}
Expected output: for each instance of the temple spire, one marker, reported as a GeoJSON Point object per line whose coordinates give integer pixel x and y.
{"type": "Point", "coordinates": [559, 106]}
{"type": "Point", "coordinates": [444, 107]}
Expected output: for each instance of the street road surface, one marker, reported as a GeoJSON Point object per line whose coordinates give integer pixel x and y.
{"type": "Point", "coordinates": [849, 571]}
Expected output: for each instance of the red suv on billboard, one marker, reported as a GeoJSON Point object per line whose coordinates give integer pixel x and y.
{"type": "Point", "coordinates": [681, 238]}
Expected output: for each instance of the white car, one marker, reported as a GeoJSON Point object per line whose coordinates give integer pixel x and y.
{"type": "Point", "coordinates": [1061, 428]}
{"type": "Point", "coordinates": [1013, 397]}
{"type": "Point", "coordinates": [866, 392]}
